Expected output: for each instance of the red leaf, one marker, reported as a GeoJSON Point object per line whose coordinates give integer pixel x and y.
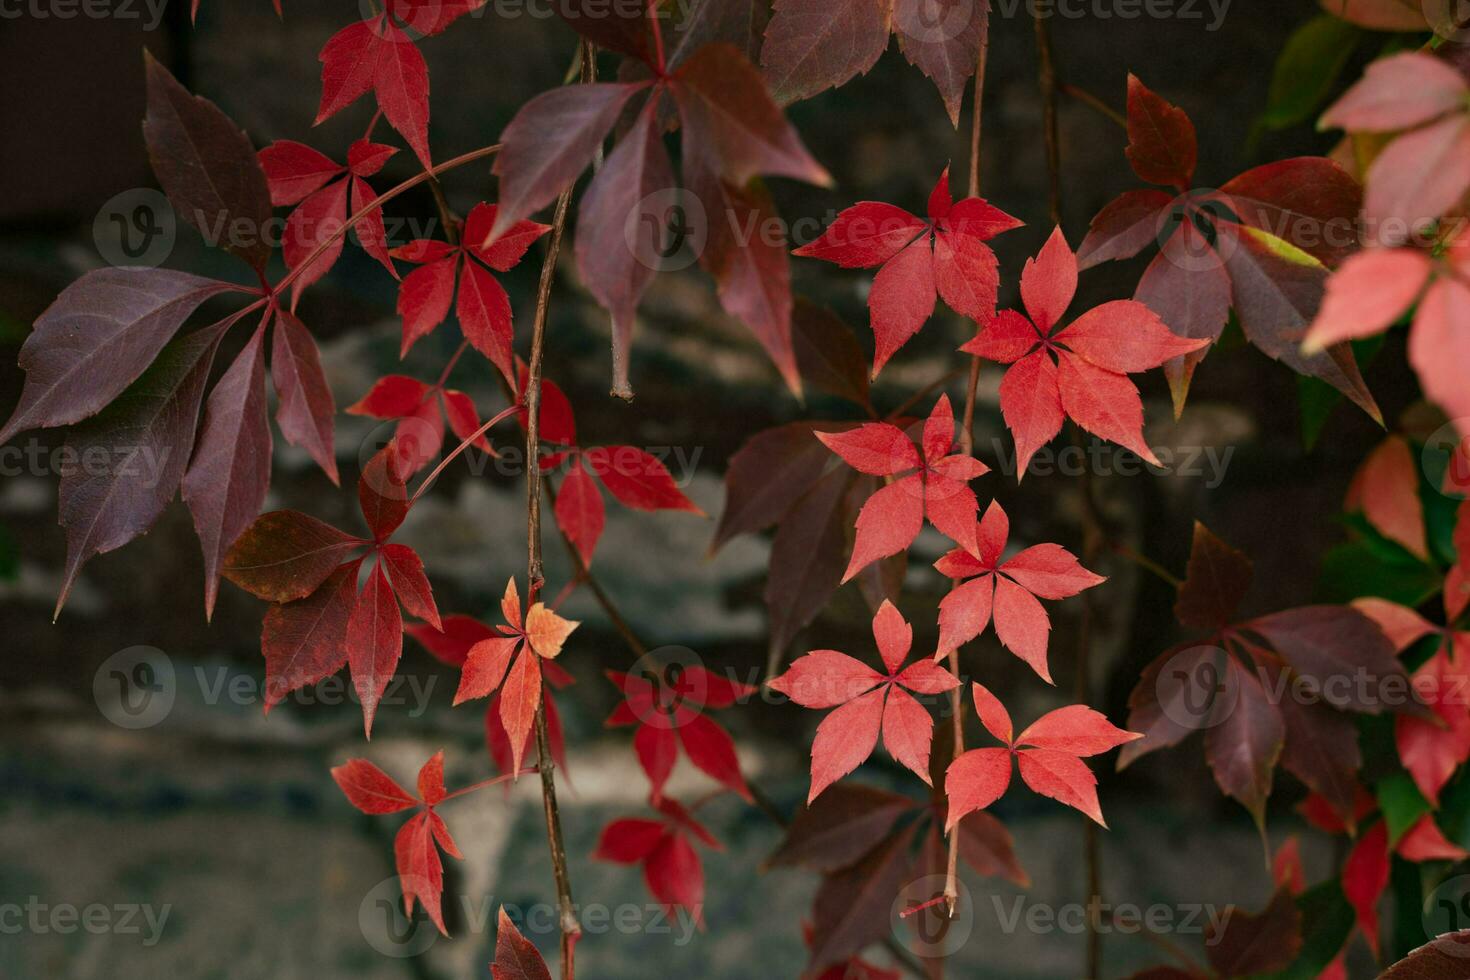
{"type": "Point", "coordinates": [975, 780]}
{"type": "Point", "coordinates": [370, 789]}
{"type": "Point", "coordinates": [1418, 177]}
{"type": "Point", "coordinates": [1368, 294]}
{"type": "Point", "coordinates": [1439, 342]}
{"type": "Point", "coordinates": [1063, 777]}
{"type": "Point", "coordinates": [1398, 92]}
{"type": "Point", "coordinates": [374, 643]}
{"type": "Point", "coordinates": [424, 298]}
{"type": "Point", "coordinates": [1031, 404]}
{"type": "Point", "coordinates": [508, 248]}
{"type": "Point", "coordinates": [867, 234]}
{"type": "Point", "coordinates": [1124, 337]}
{"type": "Point", "coordinates": [485, 316]}
{"type": "Point", "coordinates": [579, 510]}
{"type": "Point", "coordinates": [712, 751]}
{"type": "Point", "coordinates": [406, 575]}
{"type": "Point", "coordinates": [1104, 403]}
{"type": "Point", "coordinates": [378, 55]}
{"type": "Point", "coordinates": [305, 410]}
{"type": "Point", "coordinates": [1310, 202]}
{"type": "Point", "coordinates": [902, 299]}
{"type": "Point", "coordinates": [420, 872]}
{"type": "Point", "coordinates": [519, 699]}
{"type": "Point", "coordinates": [1386, 490]}
{"type": "Point", "coordinates": [305, 641]}
{"type": "Point", "coordinates": [1365, 876]}
{"type": "Point", "coordinates": [231, 470]}
{"type": "Point", "coordinates": [451, 644]}
{"type": "Point", "coordinates": [1161, 140]}
{"type": "Point", "coordinates": [316, 221]}
{"type": "Point", "coordinates": [1076, 730]}
{"type": "Point", "coordinates": [381, 493]}
{"type": "Point", "coordinates": [637, 479]}
{"type": "Point", "coordinates": [294, 170]}
{"type": "Point", "coordinates": [1426, 842]}
{"type": "Point", "coordinates": [516, 958]}
{"type": "Point", "coordinates": [485, 665]}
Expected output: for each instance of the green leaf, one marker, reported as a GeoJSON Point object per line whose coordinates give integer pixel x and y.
{"type": "Point", "coordinates": [1361, 568]}
{"type": "Point", "coordinates": [1402, 804]}
{"type": "Point", "coordinates": [1307, 69]}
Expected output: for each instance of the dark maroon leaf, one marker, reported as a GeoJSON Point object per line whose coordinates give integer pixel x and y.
{"type": "Point", "coordinates": [231, 469]}
{"type": "Point", "coordinates": [1443, 958]}
{"type": "Point", "coordinates": [1243, 748]}
{"type": "Point", "coordinates": [942, 39]}
{"type": "Point", "coordinates": [130, 458]}
{"type": "Point", "coordinates": [516, 957]}
{"type": "Point", "coordinates": [1322, 751]}
{"type": "Point", "coordinates": [305, 412]}
{"type": "Point", "coordinates": [1310, 202]}
{"type": "Point", "coordinates": [1326, 642]}
{"type": "Point", "coordinates": [808, 556]}
{"type": "Point", "coordinates": [828, 354]}
{"type": "Point", "coordinates": [1276, 290]}
{"type": "Point", "coordinates": [853, 907]}
{"type": "Point", "coordinates": [620, 234]}
{"type": "Point", "coordinates": [98, 337]}
{"type": "Point", "coordinates": [839, 827]}
{"type": "Point", "coordinates": [285, 555]}
{"type": "Point", "coordinates": [741, 23]}
{"type": "Point", "coordinates": [768, 475]}
{"type": "Point", "coordinates": [1187, 286]}
{"type": "Point", "coordinates": [731, 120]}
{"type": "Point", "coordinates": [1262, 943]}
{"type": "Point", "coordinates": [621, 26]}
{"type": "Point", "coordinates": [812, 45]}
{"type": "Point", "coordinates": [549, 142]}
{"type": "Point", "coordinates": [207, 167]}
{"type": "Point", "coordinates": [1174, 698]}
{"type": "Point", "coordinates": [1215, 582]}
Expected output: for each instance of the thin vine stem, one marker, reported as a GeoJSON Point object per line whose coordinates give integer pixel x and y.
{"type": "Point", "coordinates": [1094, 103]}
{"type": "Point", "coordinates": [571, 928]}
{"type": "Point", "coordinates": [967, 446]}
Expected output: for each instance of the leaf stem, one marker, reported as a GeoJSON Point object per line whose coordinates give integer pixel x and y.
{"type": "Point", "coordinates": [464, 444]}
{"type": "Point", "coordinates": [967, 446]}
{"type": "Point", "coordinates": [503, 777]}
{"type": "Point", "coordinates": [1094, 103]}
{"type": "Point", "coordinates": [377, 202]}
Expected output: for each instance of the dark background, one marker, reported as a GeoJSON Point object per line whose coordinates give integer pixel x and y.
{"type": "Point", "coordinates": [232, 819]}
